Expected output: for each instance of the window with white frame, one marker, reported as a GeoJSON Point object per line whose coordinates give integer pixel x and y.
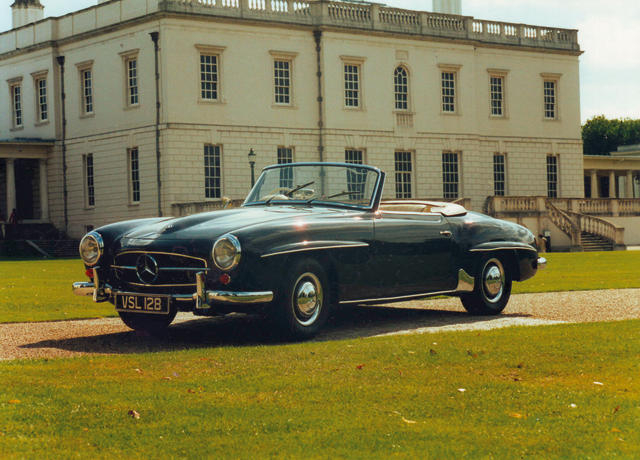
{"type": "Point", "coordinates": [41, 96]}
{"type": "Point", "coordinates": [15, 90]}
{"type": "Point", "coordinates": [401, 88]}
{"type": "Point", "coordinates": [285, 156]}
{"type": "Point", "coordinates": [89, 184]}
{"type": "Point", "coordinates": [131, 75]}
{"type": "Point", "coordinates": [209, 77]}
{"type": "Point", "coordinates": [134, 175]}
{"type": "Point", "coordinates": [552, 176]}
{"type": "Point", "coordinates": [450, 175]}
{"type": "Point", "coordinates": [496, 90]}
{"type": "Point", "coordinates": [86, 88]}
{"type": "Point", "coordinates": [550, 100]}
{"type": "Point", "coordinates": [448, 91]}
{"type": "Point", "coordinates": [404, 173]}
{"type": "Point", "coordinates": [352, 85]}
{"type": "Point", "coordinates": [212, 171]}
{"type": "Point", "coordinates": [355, 179]}
{"type": "Point", "coordinates": [499, 174]}
{"type": "Point", "coordinates": [282, 81]}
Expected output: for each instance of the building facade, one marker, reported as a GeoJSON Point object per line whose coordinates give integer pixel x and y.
{"type": "Point", "coordinates": [449, 106]}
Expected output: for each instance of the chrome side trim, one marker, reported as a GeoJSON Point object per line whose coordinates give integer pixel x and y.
{"type": "Point", "coordinates": [228, 297]}
{"type": "Point", "coordinates": [404, 297]}
{"type": "Point", "coordinates": [466, 282]}
{"type": "Point", "coordinates": [502, 248]}
{"type": "Point", "coordinates": [542, 263]}
{"type": "Point", "coordinates": [337, 246]}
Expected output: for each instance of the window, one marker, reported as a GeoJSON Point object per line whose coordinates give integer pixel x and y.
{"type": "Point", "coordinates": [450, 175]}
{"type": "Point", "coordinates": [212, 171]}
{"type": "Point", "coordinates": [90, 195]}
{"type": "Point", "coordinates": [355, 179]}
{"type": "Point", "coordinates": [131, 66]}
{"type": "Point", "coordinates": [134, 175]}
{"type": "Point", "coordinates": [404, 169]}
{"type": "Point", "coordinates": [285, 156]}
{"type": "Point", "coordinates": [352, 85]}
{"type": "Point", "coordinates": [550, 112]}
{"type": "Point", "coordinates": [499, 174]}
{"type": "Point", "coordinates": [86, 78]}
{"type": "Point", "coordinates": [209, 77]}
{"type": "Point", "coordinates": [16, 104]}
{"type": "Point", "coordinates": [496, 84]}
{"type": "Point", "coordinates": [282, 81]}
{"type": "Point", "coordinates": [42, 106]}
{"type": "Point", "coordinates": [449, 92]}
{"type": "Point", "coordinates": [401, 88]}
{"type": "Point", "coordinates": [552, 176]}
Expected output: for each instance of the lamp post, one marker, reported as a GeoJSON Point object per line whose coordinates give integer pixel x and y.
{"type": "Point", "coordinates": [252, 163]}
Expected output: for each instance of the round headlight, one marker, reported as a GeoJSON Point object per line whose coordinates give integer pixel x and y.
{"type": "Point", "coordinates": [91, 248]}
{"type": "Point", "coordinates": [226, 252]}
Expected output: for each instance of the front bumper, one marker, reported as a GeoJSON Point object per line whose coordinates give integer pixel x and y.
{"type": "Point", "coordinates": [203, 298]}
{"type": "Point", "coordinates": [542, 263]}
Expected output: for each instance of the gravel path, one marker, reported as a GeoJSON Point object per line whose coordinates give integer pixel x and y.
{"type": "Point", "coordinates": [110, 336]}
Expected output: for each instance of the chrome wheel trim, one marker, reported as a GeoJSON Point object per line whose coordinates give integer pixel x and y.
{"type": "Point", "coordinates": [307, 299]}
{"type": "Point", "coordinates": [493, 280]}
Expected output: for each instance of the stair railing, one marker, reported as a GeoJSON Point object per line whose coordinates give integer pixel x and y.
{"type": "Point", "coordinates": [565, 222]}
{"type": "Point", "coordinates": [599, 227]}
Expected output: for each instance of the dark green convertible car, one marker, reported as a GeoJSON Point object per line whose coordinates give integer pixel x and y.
{"type": "Point", "coordinates": [309, 238]}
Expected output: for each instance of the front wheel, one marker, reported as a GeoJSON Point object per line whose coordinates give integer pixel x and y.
{"type": "Point", "coordinates": [303, 300]}
{"type": "Point", "coordinates": [491, 291]}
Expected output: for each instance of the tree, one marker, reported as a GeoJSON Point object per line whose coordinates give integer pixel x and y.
{"type": "Point", "coordinates": [601, 136]}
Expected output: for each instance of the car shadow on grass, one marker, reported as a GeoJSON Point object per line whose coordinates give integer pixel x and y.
{"type": "Point", "coordinates": [247, 330]}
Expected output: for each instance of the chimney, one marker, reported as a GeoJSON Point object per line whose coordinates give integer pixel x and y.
{"type": "Point", "coordinates": [447, 6]}
{"type": "Point", "coordinates": [26, 11]}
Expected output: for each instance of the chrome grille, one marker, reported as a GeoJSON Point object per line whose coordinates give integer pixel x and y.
{"type": "Point", "coordinates": [157, 269]}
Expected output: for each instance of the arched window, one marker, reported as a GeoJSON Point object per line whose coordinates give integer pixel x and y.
{"type": "Point", "coordinates": [401, 88]}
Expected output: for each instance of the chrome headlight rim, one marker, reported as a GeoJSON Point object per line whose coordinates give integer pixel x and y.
{"type": "Point", "coordinates": [99, 242]}
{"type": "Point", "coordinates": [236, 258]}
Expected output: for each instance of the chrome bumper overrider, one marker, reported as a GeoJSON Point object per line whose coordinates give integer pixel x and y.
{"type": "Point", "coordinates": [203, 298]}
{"type": "Point", "coordinates": [542, 263]}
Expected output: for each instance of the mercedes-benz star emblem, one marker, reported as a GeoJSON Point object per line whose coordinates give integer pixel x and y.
{"type": "Point", "coordinates": [147, 269]}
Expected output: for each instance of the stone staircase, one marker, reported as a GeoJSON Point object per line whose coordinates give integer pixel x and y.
{"type": "Point", "coordinates": [592, 242]}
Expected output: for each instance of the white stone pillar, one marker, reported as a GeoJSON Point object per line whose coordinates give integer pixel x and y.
{"type": "Point", "coordinates": [628, 185]}
{"type": "Point", "coordinates": [44, 191]}
{"type": "Point", "coordinates": [612, 184]}
{"type": "Point", "coordinates": [11, 186]}
{"type": "Point", "coordinates": [595, 186]}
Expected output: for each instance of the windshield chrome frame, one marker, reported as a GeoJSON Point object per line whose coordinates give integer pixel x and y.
{"type": "Point", "coordinates": [373, 203]}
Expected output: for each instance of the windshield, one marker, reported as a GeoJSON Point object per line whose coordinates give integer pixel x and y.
{"type": "Point", "coordinates": [351, 185]}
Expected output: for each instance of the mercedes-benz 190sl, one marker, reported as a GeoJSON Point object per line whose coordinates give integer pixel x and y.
{"type": "Point", "coordinates": [308, 238]}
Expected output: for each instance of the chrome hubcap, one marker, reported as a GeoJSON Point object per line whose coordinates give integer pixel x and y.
{"type": "Point", "coordinates": [307, 299]}
{"type": "Point", "coordinates": [494, 279]}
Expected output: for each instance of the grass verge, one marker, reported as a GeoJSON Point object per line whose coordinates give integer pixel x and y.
{"type": "Point", "coordinates": [41, 290]}
{"type": "Point", "coordinates": [561, 391]}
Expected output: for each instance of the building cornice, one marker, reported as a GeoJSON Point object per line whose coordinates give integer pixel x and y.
{"type": "Point", "coordinates": [371, 19]}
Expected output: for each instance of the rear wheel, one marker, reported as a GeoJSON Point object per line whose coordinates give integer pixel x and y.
{"type": "Point", "coordinates": [150, 324]}
{"type": "Point", "coordinates": [492, 288]}
{"type": "Point", "coordinates": [303, 300]}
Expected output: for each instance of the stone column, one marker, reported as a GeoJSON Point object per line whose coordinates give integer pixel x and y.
{"type": "Point", "coordinates": [628, 185]}
{"type": "Point", "coordinates": [612, 184]}
{"type": "Point", "coordinates": [11, 186]}
{"type": "Point", "coordinates": [595, 186]}
{"type": "Point", "coordinates": [44, 191]}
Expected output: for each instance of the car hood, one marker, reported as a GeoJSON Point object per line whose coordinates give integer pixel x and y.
{"type": "Point", "coordinates": [211, 225]}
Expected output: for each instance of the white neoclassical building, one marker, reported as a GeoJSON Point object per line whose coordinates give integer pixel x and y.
{"type": "Point", "coordinates": [135, 108]}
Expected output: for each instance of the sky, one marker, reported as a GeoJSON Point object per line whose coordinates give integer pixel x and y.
{"type": "Point", "coordinates": [609, 35]}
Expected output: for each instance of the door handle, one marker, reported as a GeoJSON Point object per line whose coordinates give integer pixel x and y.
{"type": "Point", "coordinates": [446, 233]}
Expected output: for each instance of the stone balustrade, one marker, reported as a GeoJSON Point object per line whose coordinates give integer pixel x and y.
{"type": "Point", "coordinates": [186, 209]}
{"type": "Point", "coordinates": [613, 207]}
{"type": "Point", "coordinates": [311, 12]}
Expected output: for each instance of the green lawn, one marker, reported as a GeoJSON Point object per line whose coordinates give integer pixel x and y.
{"type": "Point", "coordinates": [41, 290]}
{"type": "Point", "coordinates": [568, 391]}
